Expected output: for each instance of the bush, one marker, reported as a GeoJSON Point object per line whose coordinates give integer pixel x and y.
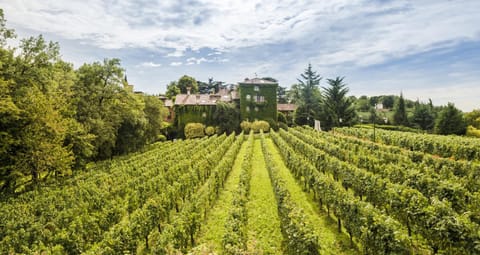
{"type": "Point", "coordinates": [209, 130]}
{"type": "Point", "coordinates": [260, 125]}
{"type": "Point", "coordinates": [194, 130]}
{"type": "Point", "coordinates": [473, 132]}
{"type": "Point", "coordinates": [246, 126]}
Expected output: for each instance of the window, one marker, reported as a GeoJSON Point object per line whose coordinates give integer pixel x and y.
{"type": "Point", "coordinates": [204, 114]}
{"type": "Point", "coordinates": [260, 99]}
{"type": "Point", "coordinates": [256, 88]}
{"type": "Point", "coordinates": [247, 108]}
{"type": "Point", "coordinates": [248, 97]}
{"type": "Point", "coordinates": [256, 109]}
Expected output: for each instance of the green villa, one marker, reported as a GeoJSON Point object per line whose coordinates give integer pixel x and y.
{"type": "Point", "coordinates": [255, 99]}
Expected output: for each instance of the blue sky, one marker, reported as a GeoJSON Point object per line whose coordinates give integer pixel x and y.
{"type": "Point", "coordinates": [424, 49]}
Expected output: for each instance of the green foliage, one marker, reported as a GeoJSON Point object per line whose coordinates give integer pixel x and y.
{"type": "Point", "coordinates": [473, 118]}
{"type": "Point", "coordinates": [260, 125]}
{"type": "Point", "coordinates": [338, 108]}
{"type": "Point", "coordinates": [5, 33]}
{"type": "Point", "coordinates": [245, 126]}
{"type": "Point", "coordinates": [423, 117]}
{"type": "Point", "coordinates": [473, 132]}
{"type": "Point", "coordinates": [185, 83]}
{"type": "Point", "coordinates": [281, 117]}
{"type": "Point", "coordinates": [172, 90]}
{"type": "Point", "coordinates": [400, 112]}
{"type": "Point", "coordinates": [450, 121]}
{"type": "Point", "coordinates": [251, 109]}
{"type": "Point", "coordinates": [299, 237]}
{"type": "Point", "coordinates": [209, 131]}
{"type": "Point", "coordinates": [281, 95]}
{"type": "Point", "coordinates": [194, 130]}
{"type": "Point", "coordinates": [309, 98]}
{"type": "Point", "coordinates": [234, 240]}
{"type": "Point", "coordinates": [226, 117]}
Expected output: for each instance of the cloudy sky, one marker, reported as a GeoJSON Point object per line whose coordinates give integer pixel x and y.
{"type": "Point", "coordinates": [423, 48]}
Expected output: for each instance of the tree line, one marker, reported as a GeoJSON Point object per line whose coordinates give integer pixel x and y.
{"type": "Point", "coordinates": [54, 118]}
{"type": "Point", "coordinates": [335, 108]}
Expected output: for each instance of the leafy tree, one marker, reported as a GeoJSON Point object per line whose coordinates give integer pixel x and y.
{"type": "Point", "coordinates": [423, 117]}
{"type": "Point", "coordinates": [309, 97]}
{"type": "Point", "coordinates": [339, 109]}
{"type": "Point", "coordinates": [172, 90]}
{"type": "Point", "coordinates": [473, 118]}
{"type": "Point", "coordinates": [400, 112]}
{"type": "Point", "coordinates": [36, 114]}
{"type": "Point", "coordinates": [186, 82]}
{"type": "Point", "coordinates": [450, 121]}
{"type": "Point", "coordinates": [362, 104]}
{"type": "Point", "coordinates": [99, 103]}
{"type": "Point", "coordinates": [5, 33]}
{"type": "Point", "coordinates": [293, 95]}
{"type": "Point", "coordinates": [154, 112]}
{"type": "Point", "coordinates": [388, 101]}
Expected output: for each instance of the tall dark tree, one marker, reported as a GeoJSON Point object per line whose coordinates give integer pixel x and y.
{"type": "Point", "coordinates": [309, 98]}
{"type": "Point", "coordinates": [423, 117]}
{"type": "Point", "coordinates": [400, 112]}
{"type": "Point", "coordinates": [338, 108]}
{"type": "Point", "coordinates": [450, 121]}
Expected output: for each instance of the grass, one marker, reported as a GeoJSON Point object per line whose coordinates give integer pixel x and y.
{"type": "Point", "coordinates": [331, 241]}
{"type": "Point", "coordinates": [211, 233]}
{"type": "Point", "coordinates": [264, 233]}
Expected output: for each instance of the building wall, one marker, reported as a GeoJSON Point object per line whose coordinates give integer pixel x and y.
{"type": "Point", "coordinates": [185, 114]}
{"type": "Point", "coordinates": [258, 101]}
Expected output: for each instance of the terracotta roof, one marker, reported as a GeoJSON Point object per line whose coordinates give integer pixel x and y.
{"type": "Point", "coordinates": [256, 81]}
{"type": "Point", "coordinates": [286, 107]}
{"type": "Point", "coordinates": [195, 99]}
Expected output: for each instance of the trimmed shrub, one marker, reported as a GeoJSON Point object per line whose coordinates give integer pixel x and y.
{"type": "Point", "coordinates": [209, 130]}
{"type": "Point", "coordinates": [260, 125]}
{"type": "Point", "coordinates": [246, 126]}
{"type": "Point", "coordinates": [194, 130]}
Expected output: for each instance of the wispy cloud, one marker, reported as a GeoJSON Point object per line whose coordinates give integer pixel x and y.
{"type": "Point", "coordinates": [361, 32]}
{"type": "Point", "coordinates": [176, 63]}
{"type": "Point", "coordinates": [150, 64]}
{"type": "Point", "coordinates": [273, 38]}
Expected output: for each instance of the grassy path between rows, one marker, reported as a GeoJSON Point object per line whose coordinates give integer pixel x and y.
{"type": "Point", "coordinates": [264, 233]}
{"type": "Point", "coordinates": [331, 242]}
{"type": "Point", "coordinates": [210, 236]}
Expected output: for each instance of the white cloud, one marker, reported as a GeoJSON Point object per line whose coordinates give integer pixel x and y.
{"type": "Point", "coordinates": [363, 32]}
{"type": "Point", "coordinates": [176, 63]}
{"type": "Point", "coordinates": [150, 64]}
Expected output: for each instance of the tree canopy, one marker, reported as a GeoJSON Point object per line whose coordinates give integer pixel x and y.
{"type": "Point", "coordinates": [450, 121]}
{"type": "Point", "coordinates": [308, 97]}
{"type": "Point", "coordinates": [338, 108]}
